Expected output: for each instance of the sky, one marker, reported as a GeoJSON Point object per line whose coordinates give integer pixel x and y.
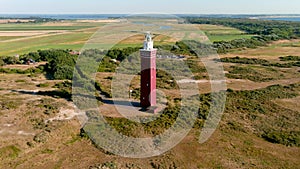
{"type": "Point", "coordinates": [150, 6]}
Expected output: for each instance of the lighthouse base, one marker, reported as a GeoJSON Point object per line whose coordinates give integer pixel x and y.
{"type": "Point", "coordinates": [152, 109]}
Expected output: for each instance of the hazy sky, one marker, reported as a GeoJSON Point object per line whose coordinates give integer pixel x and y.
{"type": "Point", "coordinates": [154, 6]}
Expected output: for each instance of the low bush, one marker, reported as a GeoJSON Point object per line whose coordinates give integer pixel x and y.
{"type": "Point", "coordinates": [237, 59]}
{"type": "Point", "coordinates": [290, 58]}
{"type": "Point", "coordinates": [249, 73]}
{"type": "Point", "coordinates": [9, 152]}
{"type": "Point", "coordinates": [43, 85]}
{"type": "Point", "coordinates": [291, 138]}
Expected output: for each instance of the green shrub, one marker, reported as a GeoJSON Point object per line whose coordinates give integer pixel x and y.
{"type": "Point", "coordinates": [249, 73]}
{"type": "Point", "coordinates": [264, 62]}
{"type": "Point", "coordinates": [61, 64]}
{"type": "Point", "coordinates": [47, 151]}
{"type": "Point", "coordinates": [2, 63]}
{"type": "Point", "coordinates": [20, 81]}
{"type": "Point", "coordinates": [9, 151]}
{"type": "Point", "coordinates": [106, 165]}
{"type": "Point", "coordinates": [7, 104]}
{"type": "Point", "coordinates": [291, 138]}
{"type": "Point", "coordinates": [290, 58]}
{"type": "Point", "coordinates": [41, 137]}
{"type": "Point", "coordinates": [31, 71]}
{"type": "Point", "coordinates": [237, 59]}
{"type": "Point", "coordinates": [165, 80]}
{"type": "Point", "coordinates": [235, 126]}
{"type": "Point", "coordinates": [106, 65]}
{"type": "Point", "coordinates": [270, 121]}
{"type": "Point", "coordinates": [63, 72]}
{"type": "Point", "coordinates": [43, 85]}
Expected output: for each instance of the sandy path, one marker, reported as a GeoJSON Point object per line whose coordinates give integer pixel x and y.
{"type": "Point", "coordinates": [24, 67]}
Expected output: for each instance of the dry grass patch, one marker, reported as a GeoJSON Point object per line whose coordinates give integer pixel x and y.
{"type": "Point", "coordinates": [292, 104]}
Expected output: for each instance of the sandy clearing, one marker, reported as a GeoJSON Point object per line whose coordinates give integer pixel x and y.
{"type": "Point", "coordinates": [24, 67]}
{"type": "Point", "coordinates": [12, 132]}
{"type": "Point", "coordinates": [292, 104]}
{"type": "Point", "coordinates": [64, 114]}
{"type": "Point", "coordinates": [8, 125]}
{"type": "Point", "coordinates": [69, 112]}
{"type": "Point", "coordinates": [286, 41]}
{"type": "Point", "coordinates": [202, 81]}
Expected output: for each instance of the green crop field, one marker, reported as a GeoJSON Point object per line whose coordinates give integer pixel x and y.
{"type": "Point", "coordinates": [222, 33]}
{"type": "Point", "coordinates": [3, 38]}
{"type": "Point", "coordinates": [70, 41]}
{"type": "Point", "coordinates": [76, 34]}
{"type": "Point", "coordinates": [27, 37]}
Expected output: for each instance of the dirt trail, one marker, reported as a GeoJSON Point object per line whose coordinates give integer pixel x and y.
{"type": "Point", "coordinates": [24, 67]}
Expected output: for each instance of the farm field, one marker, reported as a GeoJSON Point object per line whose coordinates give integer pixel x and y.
{"type": "Point", "coordinates": [25, 37]}
{"type": "Point", "coordinates": [222, 33]}
{"type": "Point", "coordinates": [21, 38]}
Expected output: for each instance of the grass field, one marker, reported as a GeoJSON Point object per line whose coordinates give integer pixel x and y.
{"type": "Point", "coordinates": [222, 33]}
{"type": "Point", "coordinates": [71, 40]}
{"type": "Point", "coordinates": [58, 35]}
{"type": "Point", "coordinates": [26, 37]}
{"type": "Point", "coordinates": [271, 52]}
{"type": "Point", "coordinates": [4, 38]}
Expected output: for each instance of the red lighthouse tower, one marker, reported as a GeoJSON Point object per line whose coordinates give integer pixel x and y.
{"type": "Point", "coordinates": [148, 74]}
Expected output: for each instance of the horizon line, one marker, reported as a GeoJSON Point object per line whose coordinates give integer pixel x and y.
{"type": "Point", "coordinates": [149, 13]}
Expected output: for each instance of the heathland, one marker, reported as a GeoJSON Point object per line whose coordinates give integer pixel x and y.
{"type": "Point", "coordinates": [259, 128]}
